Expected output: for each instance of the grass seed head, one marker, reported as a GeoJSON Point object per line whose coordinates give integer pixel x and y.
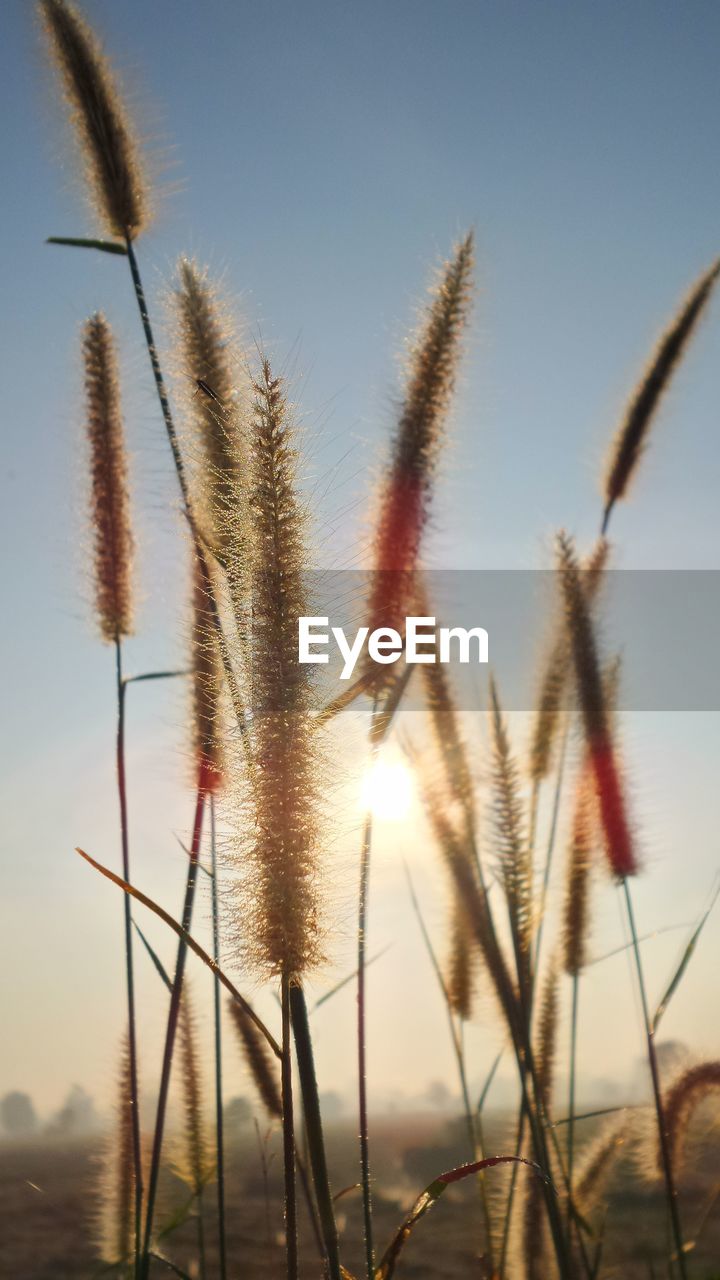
{"type": "Point", "coordinates": [281, 896]}
{"type": "Point", "coordinates": [602, 754]}
{"type": "Point", "coordinates": [259, 1059]}
{"type": "Point", "coordinates": [406, 491]}
{"type": "Point", "coordinates": [109, 147]}
{"type": "Point", "coordinates": [632, 434]}
{"type": "Point", "coordinates": [109, 495]}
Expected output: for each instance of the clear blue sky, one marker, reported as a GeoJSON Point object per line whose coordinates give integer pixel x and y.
{"type": "Point", "coordinates": [322, 156]}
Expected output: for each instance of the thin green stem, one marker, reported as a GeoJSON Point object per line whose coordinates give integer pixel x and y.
{"type": "Point", "coordinates": [217, 1011]}
{"type": "Point", "coordinates": [314, 1130]}
{"type": "Point", "coordinates": [571, 1092]}
{"type": "Point", "coordinates": [365, 851]}
{"type": "Point", "coordinates": [198, 544]}
{"type": "Point", "coordinates": [473, 1123]}
{"type": "Point", "coordinates": [171, 1032]}
{"type": "Point", "coordinates": [130, 980]}
{"type": "Point", "coordinates": [670, 1188]}
{"type": "Point", "coordinates": [201, 1237]}
{"type": "Point", "coordinates": [291, 1242]}
{"type": "Point", "coordinates": [552, 838]}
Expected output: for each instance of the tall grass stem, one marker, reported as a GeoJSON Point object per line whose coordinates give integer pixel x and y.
{"type": "Point", "coordinates": [666, 1159]}
{"type": "Point", "coordinates": [130, 979]}
{"type": "Point", "coordinates": [171, 1031]}
{"type": "Point", "coordinates": [217, 1011]}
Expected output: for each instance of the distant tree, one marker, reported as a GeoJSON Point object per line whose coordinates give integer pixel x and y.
{"type": "Point", "coordinates": [331, 1105]}
{"type": "Point", "coordinates": [18, 1115]}
{"type": "Point", "coordinates": [238, 1113]}
{"type": "Point", "coordinates": [77, 1114]}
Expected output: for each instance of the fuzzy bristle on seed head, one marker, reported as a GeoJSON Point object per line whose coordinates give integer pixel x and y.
{"type": "Point", "coordinates": [209, 361]}
{"type": "Point", "coordinates": [115, 1221]}
{"type": "Point", "coordinates": [207, 687]}
{"type": "Point", "coordinates": [110, 150]}
{"type": "Point", "coordinates": [280, 889]}
{"type": "Point", "coordinates": [691, 1087]}
{"type": "Point", "coordinates": [406, 491]}
{"type": "Point", "coordinates": [554, 682]}
{"type": "Point", "coordinates": [547, 1038]}
{"type": "Point", "coordinates": [577, 881]}
{"type": "Point", "coordinates": [260, 1061]}
{"type": "Point", "coordinates": [442, 708]}
{"type": "Point", "coordinates": [109, 495]}
{"type": "Point", "coordinates": [633, 431]}
{"type": "Point", "coordinates": [468, 894]}
{"type": "Point", "coordinates": [459, 979]}
{"type": "Point", "coordinates": [602, 754]}
{"type": "Point", "coordinates": [193, 1164]}
{"type": "Point", "coordinates": [595, 1164]}
{"type": "Point", "coordinates": [511, 843]}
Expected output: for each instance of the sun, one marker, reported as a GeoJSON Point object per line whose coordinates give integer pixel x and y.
{"type": "Point", "coordinates": [387, 790]}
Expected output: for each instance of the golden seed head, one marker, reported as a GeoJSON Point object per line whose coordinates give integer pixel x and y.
{"type": "Point", "coordinates": [194, 1164]}
{"type": "Point", "coordinates": [595, 1164]}
{"type": "Point", "coordinates": [109, 496]}
{"type": "Point", "coordinates": [110, 150]}
{"type": "Point", "coordinates": [208, 358]}
{"type": "Point", "coordinates": [511, 843]}
{"type": "Point", "coordinates": [460, 976]}
{"type": "Point", "coordinates": [259, 1059]}
{"type": "Point", "coordinates": [406, 491]}
{"type": "Point", "coordinates": [207, 687]}
{"type": "Point", "coordinates": [115, 1222]}
{"type": "Point", "coordinates": [281, 907]}
{"type": "Point", "coordinates": [689, 1088]}
{"type": "Point", "coordinates": [602, 756]}
{"type": "Point", "coordinates": [632, 433]}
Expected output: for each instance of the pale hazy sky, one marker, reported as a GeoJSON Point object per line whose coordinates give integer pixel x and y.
{"type": "Point", "coordinates": [322, 156]}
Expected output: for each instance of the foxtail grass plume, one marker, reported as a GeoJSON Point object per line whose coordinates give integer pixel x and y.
{"type": "Point", "coordinates": [109, 147]}
{"type": "Point", "coordinates": [406, 491]}
{"type": "Point", "coordinates": [602, 754]}
{"type": "Point", "coordinates": [109, 495]}
{"type": "Point", "coordinates": [460, 978]}
{"type": "Point", "coordinates": [554, 683]}
{"type": "Point", "coordinates": [260, 1061]}
{"type": "Point", "coordinates": [116, 1202]}
{"type": "Point", "coordinates": [577, 881]}
{"type": "Point", "coordinates": [468, 895]}
{"type": "Point", "coordinates": [511, 843]}
{"type": "Point", "coordinates": [208, 358]}
{"type": "Point", "coordinates": [595, 1164]}
{"type": "Point", "coordinates": [193, 1164]}
{"type": "Point", "coordinates": [688, 1090]}
{"type": "Point", "coordinates": [445, 721]}
{"type": "Point", "coordinates": [633, 431]}
{"type": "Point", "coordinates": [281, 892]}
{"type": "Point", "coordinates": [546, 1051]}
{"type": "Point", "coordinates": [207, 688]}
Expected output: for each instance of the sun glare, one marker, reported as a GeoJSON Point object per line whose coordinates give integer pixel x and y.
{"type": "Point", "coordinates": [387, 790]}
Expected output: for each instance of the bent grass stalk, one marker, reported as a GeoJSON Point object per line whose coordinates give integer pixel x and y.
{"type": "Point", "coordinates": [171, 1030]}
{"type": "Point", "coordinates": [217, 1024]}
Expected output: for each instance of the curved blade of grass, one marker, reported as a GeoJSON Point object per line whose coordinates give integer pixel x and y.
{"type": "Point", "coordinates": [177, 1219]}
{"type": "Point", "coordinates": [105, 246]}
{"type": "Point", "coordinates": [153, 956]}
{"type": "Point", "coordinates": [171, 1266]}
{"type": "Point", "coordinates": [488, 1081]}
{"type": "Point", "coordinates": [347, 979]}
{"type": "Point", "coordinates": [154, 675]}
{"type": "Point", "coordinates": [684, 962]}
{"type": "Point", "coordinates": [189, 942]}
{"type": "Point", "coordinates": [432, 1193]}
